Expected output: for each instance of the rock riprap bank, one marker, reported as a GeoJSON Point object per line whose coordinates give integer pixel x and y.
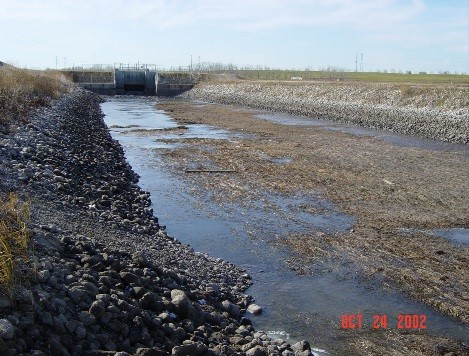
{"type": "Point", "coordinates": [103, 276]}
{"type": "Point", "coordinates": [436, 112]}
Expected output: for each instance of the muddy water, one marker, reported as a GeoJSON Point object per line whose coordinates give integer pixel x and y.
{"type": "Point", "coordinates": [295, 307]}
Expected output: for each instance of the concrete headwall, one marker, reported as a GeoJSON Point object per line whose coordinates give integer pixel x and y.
{"type": "Point", "coordinates": [100, 88]}
{"type": "Point", "coordinates": [134, 82]}
{"type": "Point", "coordinates": [90, 76]}
{"type": "Point", "coordinates": [172, 84]}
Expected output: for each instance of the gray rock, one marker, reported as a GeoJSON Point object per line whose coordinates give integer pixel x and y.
{"type": "Point", "coordinates": [97, 308]}
{"type": "Point", "coordinates": [110, 346]}
{"type": "Point", "coordinates": [254, 309]}
{"type": "Point", "coordinates": [56, 348]}
{"type": "Point", "coordinates": [140, 259]}
{"type": "Point", "coordinates": [231, 308]}
{"type": "Point", "coordinates": [242, 331]}
{"type": "Point", "coordinates": [52, 281]}
{"type": "Point", "coordinates": [256, 351]}
{"type": "Point", "coordinates": [129, 278]}
{"type": "Point", "coordinates": [237, 340]}
{"type": "Point", "coordinates": [76, 294]}
{"type": "Point", "coordinates": [250, 345]}
{"type": "Point", "coordinates": [59, 327]}
{"type": "Point", "coordinates": [178, 334]}
{"type": "Point", "coordinates": [182, 304]}
{"type": "Point", "coordinates": [105, 317]}
{"type": "Point", "coordinates": [90, 287]}
{"type": "Point", "coordinates": [46, 318]}
{"type": "Point", "coordinates": [80, 332]}
{"type": "Point", "coordinates": [102, 338]}
{"type": "Point", "coordinates": [43, 275]}
{"type": "Point", "coordinates": [71, 326]}
{"type": "Point", "coordinates": [4, 350]}
{"type": "Point", "coordinates": [58, 303]}
{"type": "Point", "coordinates": [7, 330]}
{"type": "Point", "coordinates": [115, 325]}
{"type": "Point", "coordinates": [4, 302]}
{"type": "Point", "coordinates": [86, 318]}
{"type": "Point", "coordinates": [186, 350]}
{"type": "Point", "coordinates": [105, 298]}
{"type": "Point", "coordinates": [301, 346]}
{"type": "Point", "coordinates": [150, 352]}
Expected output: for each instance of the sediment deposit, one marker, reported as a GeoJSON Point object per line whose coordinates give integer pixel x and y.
{"type": "Point", "coordinates": [387, 187]}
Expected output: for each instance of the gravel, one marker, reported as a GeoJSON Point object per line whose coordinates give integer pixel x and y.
{"type": "Point", "coordinates": [432, 112]}
{"type": "Point", "coordinates": [104, 276]}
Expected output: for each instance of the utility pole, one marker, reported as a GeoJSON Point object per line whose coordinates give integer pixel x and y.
{"type": "Point", "coordinates": [361, 62]}
{"type": "Point", "coordinates": [356, 62]}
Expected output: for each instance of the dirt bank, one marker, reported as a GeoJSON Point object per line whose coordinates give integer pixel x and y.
{"type": "Point", "coordinates": [386, 187]}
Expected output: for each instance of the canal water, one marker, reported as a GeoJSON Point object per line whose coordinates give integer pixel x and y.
{"type": "Point", "coordinates": [295, 307]}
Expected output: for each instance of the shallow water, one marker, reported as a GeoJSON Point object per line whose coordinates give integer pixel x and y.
{"type": "Point", "coordinates": [458, 235]}
{"type": "Point", "coordinates": [295, 307]}
{"type": "Point", "coordinates": [390, 137]}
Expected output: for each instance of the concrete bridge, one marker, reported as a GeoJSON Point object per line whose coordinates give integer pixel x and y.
{"type": "Point", "coordinates": [133, 80]}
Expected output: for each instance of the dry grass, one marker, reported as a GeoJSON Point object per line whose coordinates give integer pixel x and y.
{"type": "Point", "coordinates": [14, 237]}
{"type": "Point", "coordinates": [22, 89]}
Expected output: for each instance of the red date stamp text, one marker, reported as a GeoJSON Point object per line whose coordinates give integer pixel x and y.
{"type": "Point", "coordinates": [381, 321]}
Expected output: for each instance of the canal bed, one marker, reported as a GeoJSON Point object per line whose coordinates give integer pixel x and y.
{"type": "Point", "coordinates": [295, 307]}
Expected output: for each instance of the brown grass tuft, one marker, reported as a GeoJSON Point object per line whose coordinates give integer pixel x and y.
{"type": "Point", "coordinates": [14, 237]}
{"type": "Point", "coordinates": [22, 89]}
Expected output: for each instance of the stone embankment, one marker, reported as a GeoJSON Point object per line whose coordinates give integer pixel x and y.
{"type": "Point", "coordinates": [432, 112]}
{"type": "Point", "coordinates": [103, 277]}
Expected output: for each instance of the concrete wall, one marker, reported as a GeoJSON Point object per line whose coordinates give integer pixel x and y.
{"type": "Point", "coordinates": [100, 88]}
{"type": "Point", "coordinates": [138, 82]}
{"type": "Point", "coordinates": [172, 89]}
{"type": "Point", "coordinates": [90, 76]}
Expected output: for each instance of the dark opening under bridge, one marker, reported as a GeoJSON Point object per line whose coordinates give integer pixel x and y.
{"type": "Point", "coordinates": [133, 80]}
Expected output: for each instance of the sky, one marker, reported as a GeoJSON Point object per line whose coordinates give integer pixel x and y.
{"type": "Point", "coordinates": [392, 35]}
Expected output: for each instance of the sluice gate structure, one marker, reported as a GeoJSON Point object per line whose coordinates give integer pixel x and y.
{"type": "Point", "coordinates": [133, 80]}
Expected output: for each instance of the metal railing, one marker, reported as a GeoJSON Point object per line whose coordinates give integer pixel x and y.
{"type": "Point", "coordinates": [130, 66]}
{"type": "Point", "coordinates": [135, 66]}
